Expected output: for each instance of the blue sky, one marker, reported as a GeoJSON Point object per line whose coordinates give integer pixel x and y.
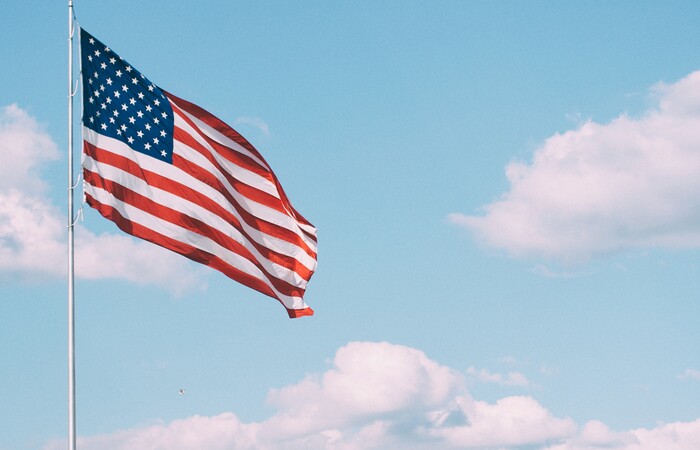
{"type": "Point", "coordinates": [506, 200]}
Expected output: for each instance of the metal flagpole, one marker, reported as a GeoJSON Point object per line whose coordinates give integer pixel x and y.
{"type": "Point", "coordinates": [71, 222]}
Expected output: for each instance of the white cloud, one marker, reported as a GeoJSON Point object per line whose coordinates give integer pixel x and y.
{"type": "Point", "coordinates": [673, 436]}
{"type": "Point", "coordinates": [369, 381]}
{"type": "Point", "coordinates": [690, 374]}
{"type": "Point", "coordinates": [220, 432]}
{"type": "Point", "coordinates": [375, 395]}
{"type": "Point", "coordinates": [604, 188]}
{"type": "Point", "coordinates": [510, 379]}
{"type": "Point", "coordinates": [33, 232]}
{"type": "Point", "coordinates": [254, 122]}
{"type": "Point", "coordinates": [378, 395]}
{"type": "Point", "coordinates": [118, 256]}
{"type": "Point", "coordinates": [24, 147]}
{"type": "Point", "coordinates": [510, 422]}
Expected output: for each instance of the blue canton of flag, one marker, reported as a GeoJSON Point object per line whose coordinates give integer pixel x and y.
{"type": "Point", "coordinates": [120, 102]}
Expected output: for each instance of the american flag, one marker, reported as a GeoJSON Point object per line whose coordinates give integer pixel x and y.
{"type": "Point", "coordinates": [167, 171]}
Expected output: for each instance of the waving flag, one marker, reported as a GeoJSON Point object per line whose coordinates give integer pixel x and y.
{"type": "Point", "coordinates": [165, 170]}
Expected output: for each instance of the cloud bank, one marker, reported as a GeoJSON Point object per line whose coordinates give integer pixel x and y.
{"type": "Point", "coordinates": [378, 395]}
{"type": "Point", "coordinates": [33, 230]}
{"type": "Point", "coordinates": [604, 188]}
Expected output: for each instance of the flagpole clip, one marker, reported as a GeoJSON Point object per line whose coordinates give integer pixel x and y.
{"type": "Point", "coordinates": [78, 216]}
{"type": "Point", "coordinates": [74, 91]}
{"type": "Point", "coordinates": [80, 176]}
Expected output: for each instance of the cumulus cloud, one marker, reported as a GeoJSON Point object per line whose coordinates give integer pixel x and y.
{"type": "Point", "coordinates": [510, 422]}
{"type": "Point", "coordinates": [378, 395]}
{"type": "Point", "coordinates": [605, 188]}
{"type": "Point", "coordinates": [596, 435]}
{"type": "Point", "coordinates": [25, 147]}
{"type": "Point", "coordinates": [221, 432]}
{"type": "Point", "coordinates": [511, 378]}
{"type": "Point", "coordinates": [375, 395]}
{"type": "Point", "coordinates": [33, 230]}
{"type": "Point", "coordinates": [369, 381]}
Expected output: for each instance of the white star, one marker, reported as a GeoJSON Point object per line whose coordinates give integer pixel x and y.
{"type": "Point", "coordinates": [119, 73]}
{"type": "Point", "coordinates": [109, 100]}
{"type": "Point", "coordinates": [103, 66]}
{"type": "Point", "coordinates": [92, 120]}
{"type": "Point", "coordinates": [148, 108]}
{"type": "Point", "coordinates": [128, 68]}
{"type": "Point", "coordinates": [123, 127]}
{"type": "Point", "coordinates": [97, 53]}
{"type": "Point", "coordinates": [104, 126]}
{"type": "Point", "coordinates": [162, 133]}
{"type": "Point", "coordinates": [134, 80]}
{"type": "Point", "coordinates": [102, 87]}
{"type": "Point", "coordinates": [131, 119]}
{"type": "Point", "coordinates": [141, 95]}
{"type": "Point", "coordinates": [155, 140]}
{"type": "Point", "coordinates": [132, 101]}
{"type": "Point", "coordinates": [150, 88]}
{"type": "Point", "coordinates": [155, 120]}
{"type": "Point", "coordinates": [115, 113]}
{"type": "Point", "coordinates": [156, 102]}
{"type": "Point", "coordinates": [116, 94]}
{"type": "Point", "coordinates": [111, 120]}
{"type": "Point", "coordinates": [103, 106]}
{"type": "Point", "coordinates": [97, 93]}
{"type": "Point", "coordinates": [95, 75]}
{"type": "Point", "coordinates": [164, 114]}
{"type": "Point", "coordinates": [109, 81]}
{"type": "Point", "coordinates": [124, 88]}
{"type": "Point", "coordinates": [163, 153]}
{"type": "Point", "coordinates": [91, 100]}
{"type": "Point", "coordinates": [90, 58]}
{"type": "Point", "coordinates": [148, 127]}
{"type": "Point", "coordinates": [119, 132]}
{"type": "Point", "coordinates": [147, 146]}
{"type": "Point", "coordinates": [112, 60]}
{"type": "Point", "coordinates": [140, 114]}
{"type": "Point", "coordinates": [130, 139]}
{"type": "Point", "coordinates": [91, 40]}
{"type": "Point", "coordinates": [124, 107]}
{"type": "Point", "coordinates": [107, 49]}
{"type": "Point", "coordinates": [139, 133]}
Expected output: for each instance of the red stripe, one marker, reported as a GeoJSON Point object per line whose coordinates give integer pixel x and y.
{"type": "Point", "coordinates": [192, 224]}
{"type": "Point", "coordinates": [232, 134]}
{"type": "Point", "coordinates": [242, 188]}
{"type": "Point", "coordinates": [242, 160]}
{"type": "Point", "coordinates": [294, 313]}
{"type": "Point", "coordinates": [175, 188]}
{"type": "Point", "coordinates": [190, 252]}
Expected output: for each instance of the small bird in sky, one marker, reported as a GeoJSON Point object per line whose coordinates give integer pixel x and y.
{"type": "Point", "coordinates": [181, 391]}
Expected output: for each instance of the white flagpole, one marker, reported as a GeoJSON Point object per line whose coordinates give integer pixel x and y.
{"type": "Point", "coordinates": [71, 222]}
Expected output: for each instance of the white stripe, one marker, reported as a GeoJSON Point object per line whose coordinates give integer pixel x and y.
{"type": "Point", "coordinates": [239, 173]}
{"type": "Point", "coordinates": [169, 171]}
{"type": "Point", "coordinates": [196, 211]}
{"type": "Point", "coordinates": [278, 218]}
{"type": "Point", "coordinates": [220, 138]}
{"type": "Point", "coordinates": [263, 184]}
{"type": "Point", "coordinates": [195, 240]}
{"type": "Point", "coordinates": [271, 242]}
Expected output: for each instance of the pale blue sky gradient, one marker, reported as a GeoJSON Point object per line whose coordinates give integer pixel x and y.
{"type": "Point", "coordinates": [381, 118]}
